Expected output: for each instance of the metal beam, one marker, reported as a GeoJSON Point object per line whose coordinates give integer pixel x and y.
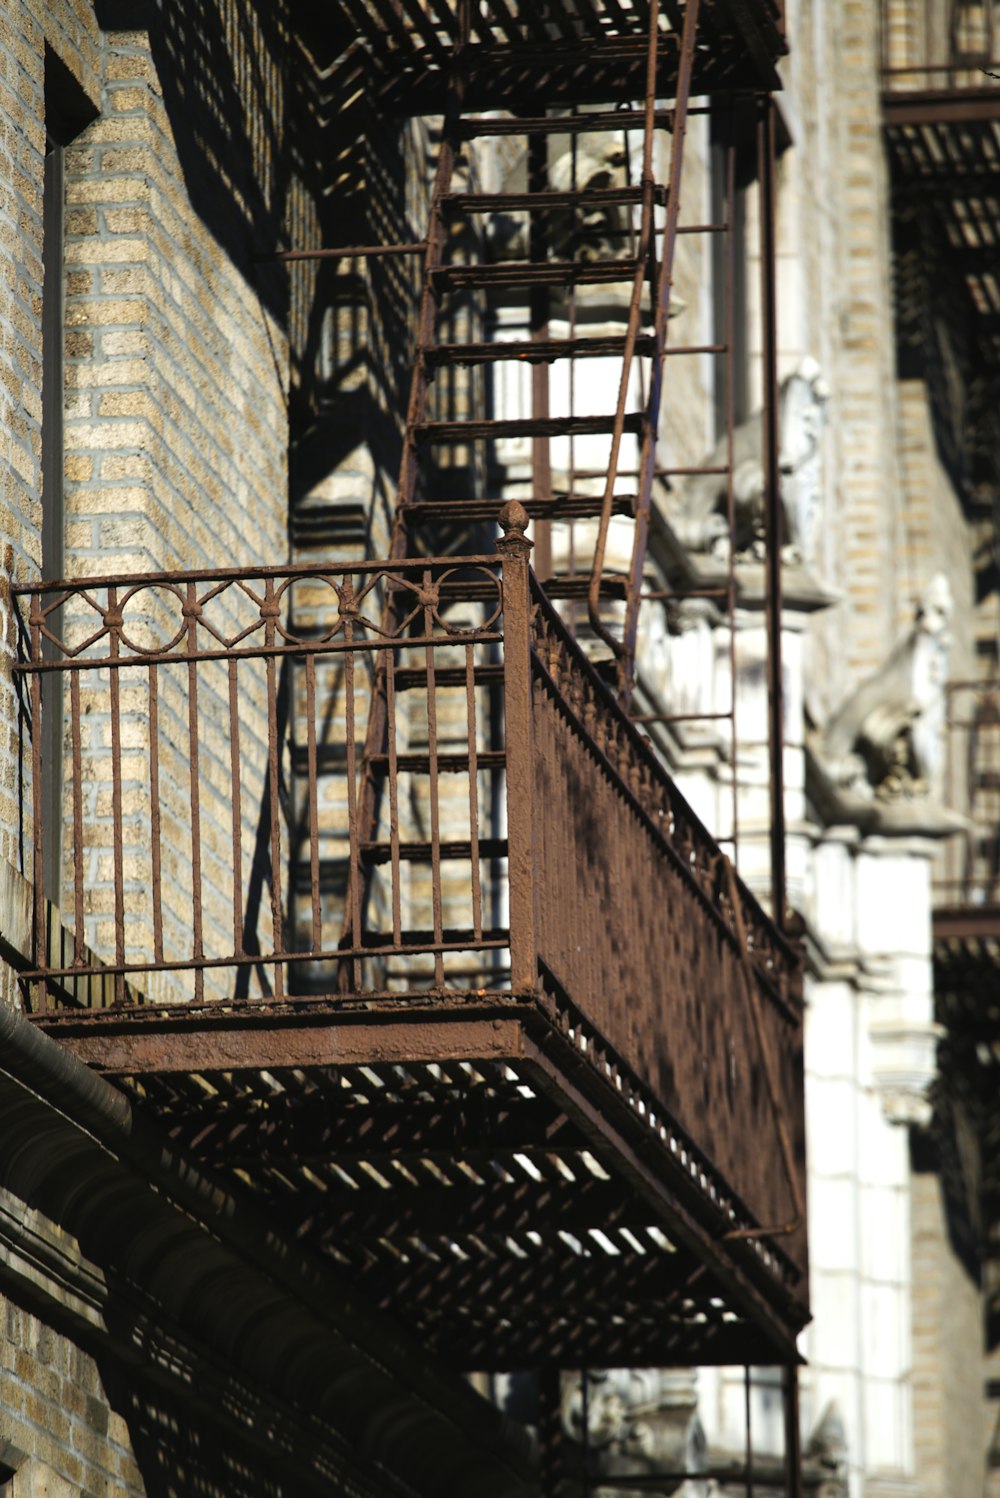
{"type": "Point", "coordinates": [940, 106]}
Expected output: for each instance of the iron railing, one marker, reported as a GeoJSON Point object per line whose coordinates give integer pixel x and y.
{"type": "Point", "coordinates": [968, 872]}
{"type": "Point", "coordinates": [527, 840]}
{"type": "Point", "coordinates": [213, 772]}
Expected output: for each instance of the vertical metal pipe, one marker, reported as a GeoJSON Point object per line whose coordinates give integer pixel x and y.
{"type": "Point", "coordinates": [731, 273]}
{"type": "Point", "coordinates": [773, 518]}
{"type": "Point", "coordinates": [748, 1431]}
{"type": "Point", "coordinates": [541, 462]}
{"type": "Point", "coordinates": [550, 1432]}
{"type": "Point", "coordinates": [793, 1442]}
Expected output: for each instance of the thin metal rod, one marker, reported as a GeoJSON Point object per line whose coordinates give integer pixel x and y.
{"type": "Point", "coordinates": [316, 935]}
{"type": "Point", "coordinates": [793, 1439]}
{"type": "Point", "coordinates": [471, 728]}
{"type": "Point", "coordinates": [40, 951]}
{"type": "Point", "coordinates": [732, 270]}
{"type": "Point", "coordinates": [79, 948]}
{"type": "Point", "coordinates": [395, 876]}
{"type": "Point", "coordinates": [434, 793]}
{"type": "Point", "coordinates": [772, 481]}
{"type": "Point", "coordinates": [273, 794]}
{"type": "Point", "coordinates": [748, 1431]}
{"type": "Point", "coordinates": [198, 950]}
{"type": "Point", "coordinates": [420, 942]}
{"type": "Point", "coordinates": [154, 807]}
{"type": "Point", "coordinates": [345, 252]}
{"type": "Point", "coordinates": [322, 570]}
{"type": "Point", "coordinates": [116, 806]}
{"type": "Point", "coordinates": [646, 253]}
{"type": "Point", "coordinates": [682, 717]}
{"type": "Point", "coordinates": [354, 831]}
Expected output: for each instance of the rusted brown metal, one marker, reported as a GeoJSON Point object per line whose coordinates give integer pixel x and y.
{"type": "Point", "coordinates": [778, 1101]}
{"type": "Point", "coordinates": [664, 287]}
{"type": "Point", "coordinates": [515, 548]}
{"type": "Point", "coordinates": [345, 252]}
{"type": "Point", "coordinates": [967, 872]}
{"type": "Point", "coordinates": [766, 158]}
{"type": "Point", "coordinates": [634, 1029]}
{"type": "Point", "coordinates": [380, 1091]}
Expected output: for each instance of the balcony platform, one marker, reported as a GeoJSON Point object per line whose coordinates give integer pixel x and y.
{"type": "Point", "coordinates": [487, 1168]}
{"type": "Point", "coordinates": [531, 1078]}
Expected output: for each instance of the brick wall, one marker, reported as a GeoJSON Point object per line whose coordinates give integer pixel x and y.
{"type": "Point", "coordinates": [54, 1411]}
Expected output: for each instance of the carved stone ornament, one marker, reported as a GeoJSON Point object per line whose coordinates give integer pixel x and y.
{"type": "Point", "coordinates": [701, 517]}
{"type": "Point", "coordinates": [636, 1422]}
{"type": "Point", "coordinates": [887, 740]}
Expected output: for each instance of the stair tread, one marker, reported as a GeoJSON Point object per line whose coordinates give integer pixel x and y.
{"type": "Point", "coordinates": [536, 351]}
{"type": "Point", "coordinates": [410, 678]}
{"type": "Point", "coordinates": [559, 507]}
{"type": "Point", "coordinates": [536, 273]}
{"type": "Point", "coordinates": [423, 852]}
{"type": "Point", "coordinates": [613, 585]}
{"type": "Point", "coordinates": [529, 426]}
{"type": "Point", "coordinates": [486, 759]}
{"type": "Point", "coordinates": [550, 198]}
{"type": "Point", "coordinates": [602, 120]}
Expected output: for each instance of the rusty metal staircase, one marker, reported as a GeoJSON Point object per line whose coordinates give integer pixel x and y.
{"type": "Point", "coordinates": [648, 273]}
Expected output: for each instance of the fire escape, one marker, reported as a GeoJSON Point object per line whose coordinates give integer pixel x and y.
{"type": "Point", "coordinates": [531, 1080]}
{"type": "Point", "coordinates": [941, 117]}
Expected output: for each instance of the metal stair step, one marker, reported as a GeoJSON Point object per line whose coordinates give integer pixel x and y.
{"type": "Point", "coordinates": [559, 507]}
{"type": "Point", "coordinates": [423, 852]}
{"type": "Point", "coordinates": [550, 198]}
{"type": "Point", "coordinates": [534, 273]}
{"type": "Point", "coordinates": [472, 127]}
{"type": "Point", "coordinates": [529, 426]}
{"type": "Point", "coordinates": [447, 764]}
{"type": "Point", "coordinates": [535, 351]}
{"type": "Point", "coordinates": [613, 585]}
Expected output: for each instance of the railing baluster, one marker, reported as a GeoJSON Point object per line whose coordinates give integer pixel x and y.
{"type": "Point", "coordinates": [432, 760]}
{"type": "Point", "coordinates": [313, 794]}
{"type": "Point", "coordinates": [390, 702]}
{"type": "Point", "coordinates": [470, 711]}
{"type": "Point", "coordinates": [270, 612]}
{"type": "Point", "coordinates": [154, 812]}
{"type": "Point", "coordinates": [237, 806]}
{"type": "Point", "coordinates": [515, 549]}
{"type": "Point", "coordinates": [353, 827]}
{"type": "Point", "coordinates": [198, 949]}
{"type": "Point", "coordinates": [79, 944]}
{"type": "Point", "coordinates": [114, 642]}
{"type": "Point", "coordinates": [39, 935]}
